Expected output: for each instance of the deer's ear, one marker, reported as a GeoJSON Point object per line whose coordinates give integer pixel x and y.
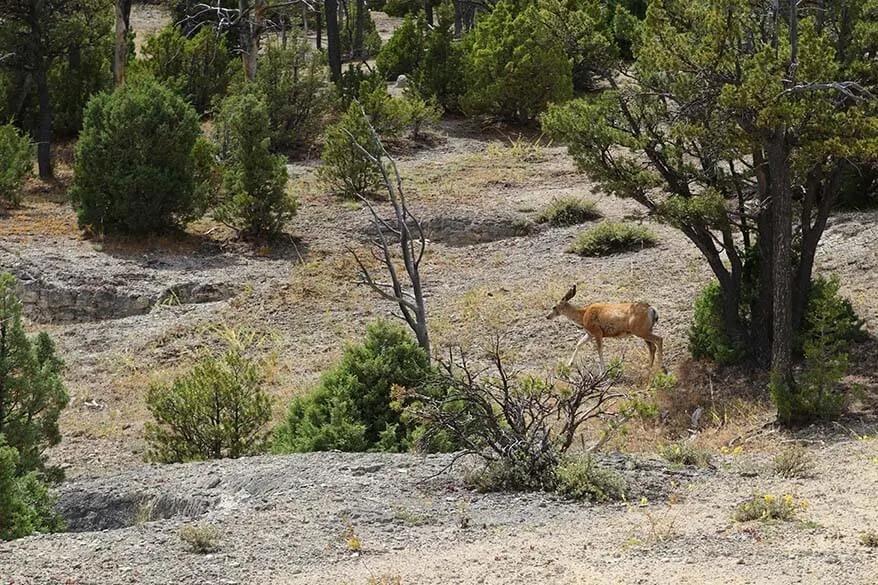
{"type": "Point", "coordinates": [570, 293]}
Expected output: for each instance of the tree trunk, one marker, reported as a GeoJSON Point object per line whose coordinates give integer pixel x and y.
{"type": "Point", "coordinates": [251, 28]}
{"type": "Point", "coordinates": [44, 131]}
{"type": "Point", "coordinates": [428, 11]}
{"type": "Point", "coordinates": [782, 219]}
{"type": "Point", "coordinates": [120, 54]}
{"type": "Point", "coordinates": [318, 26]}
{"type": "Point", "coordinates": [332, 40]}
{"type": "Point", "coordinates": [359, 30]}
{"type": "Point", "coordinates": [458, 19]}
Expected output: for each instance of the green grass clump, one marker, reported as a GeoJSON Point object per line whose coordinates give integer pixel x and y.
{"type": "Point", "coordinates": [610, 237]}
{"type": "Point", "coordinates": [684, 454]}
{"type": "Point", "coordinates": [581, 478]}
{"type": "Point", "coordinates": [568, 211]}
{"type": "Point", "coordinates": [869, 539]}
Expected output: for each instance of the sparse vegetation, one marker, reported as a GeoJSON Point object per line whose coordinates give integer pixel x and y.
{"type": "Point", "coordinates": [520, 425]}
{"type": "Point", "coordinates": [684, 453]}
{"type": "Point", "coordinates": [793, 462]}
{"type": "Point", "coordinates": [568, 211]}
{"type": "Point", "coordinates": [869, 539]}
{"type": "Point", "coordinates": [219, 410]}
{"type": "Point", "coordinates": [610, 237]}
{"type": "Point", "coordinates": [768, 507]}
{"type": "Point", "coordinates": [583, 478]}
{"type": "Point", "coordinates": [201, 538]}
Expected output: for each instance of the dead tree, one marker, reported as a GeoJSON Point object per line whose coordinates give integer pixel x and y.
{"type": "Point", "coordinates": [401, 238]}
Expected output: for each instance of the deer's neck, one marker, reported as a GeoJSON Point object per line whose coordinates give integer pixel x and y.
{"type": "Point", "coordinates": [573, 313]}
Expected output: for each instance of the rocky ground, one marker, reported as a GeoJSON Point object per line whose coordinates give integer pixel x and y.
{"type": "Point", "coordinates": [126, 314]}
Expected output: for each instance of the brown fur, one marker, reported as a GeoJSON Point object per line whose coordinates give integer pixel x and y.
{"type": "Point", "coordinates": [602, 320]}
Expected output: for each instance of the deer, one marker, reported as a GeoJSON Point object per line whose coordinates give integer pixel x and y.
{"type": "Point", "coordinates": [602, 320]}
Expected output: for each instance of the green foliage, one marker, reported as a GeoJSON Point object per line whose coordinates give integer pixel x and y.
{"type": "Point", "coordinates": [135, 165]}
{"type": "Point", "coordinates": [767, 507]}
{"type": "Point", "coordinates": [404, 51]}
{"type": "Point", "coordinates": [707, 333]}
{"type": "Point", "coordinates": [352, 408]}
{"type": "Point", "coordinates": [74, 44]}
{"type": "Point", "coordinates": [830, 325]}
{"type": "Point", "coordinates": [683, 453]}
{"type": "Point", "coordinates": [568, 211]}
{"type": "Point", "coordinates": [16, 163]}
{"type": "Point", "coordinates": [585, 30]}
{"type": "Point", "coordinates": [400, 8]}
{"type": "Point", "coordinates": [32, 394]}
{"type": "Point", "coordinates": [582, 478]}
{"type": "Point", "coordinates": [869, 539]}
{"type": "Point", "coordinates": [344, 168]}
{"type": "Point", "coordinates": [254, 197]}
{"type": "Point", "coordinates": [25, 503]}
{"type": "Point", "coordinates": [198, 69]}
{"type": "Point", "coordinates": [610, 237]}
{"type": "Point", "coordinates": [441, 71]}
{"type": "Point", "coordinates": [219, 410]}
{"type": "Point", "coordinates": [292, 81]}
{"type": "Point", "coordinates": [371, 40]}
{"type": "Point", "coordinates": [515, 67]}
{"type": "Point", "coordinates": [829, 317]}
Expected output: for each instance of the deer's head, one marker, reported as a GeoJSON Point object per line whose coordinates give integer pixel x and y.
{"type": "Point", "coordinates": [558, 309]}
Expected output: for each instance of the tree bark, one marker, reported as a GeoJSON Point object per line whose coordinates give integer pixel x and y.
{"type": "Point", "coordinates": [458, 19]}
{"type": "Point", "coordinates": [120, 54]}
{"type": "Point", "coordinates": [332, 40]}
{"type": "Point", "coordinates": [428, 11]}
{"type": "Point", "coordinates": [782, 216]}
{"type": "Point", "coordinates": [359, 30]}
{"type": "Point", "coordinates": [318, 26]}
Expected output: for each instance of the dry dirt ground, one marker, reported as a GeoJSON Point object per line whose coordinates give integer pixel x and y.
{"type": "Point", "coordinates": [126, 314]}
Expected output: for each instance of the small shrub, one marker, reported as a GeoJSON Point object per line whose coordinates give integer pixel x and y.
{"type": "Point", "coordinates": [869, 539]}
{"type": "Point", "coordinates": [793, 462]}
{"type": "Point", "coordinates": [200, 538]}
{"type": "Point", "coordinates": [569, 211]}
{"type": "Point", "coordinates": [135, 162]}
{"type": "Point", "coordinates": [219, 410]}
{"type": "Point", "coordinates": [32, 394]}
{"type": "Point", "coordinates": [403, 52]}
{"type": "Point", "coordinates": [611, 238]}
{"type": "Point", "coordinates": [581, 478]}
{"type": "Point", "coordinates": [684, 454]}
{"type": "Point", "coordinates": [25, 503]}
{"type": "Point", "coordinates": [16, 163]}
{"type": "Point", "coordinates": [519, 424]}
{"type": "Point", "coordinates": [352, 408]}
{"type": "Point", "coordinates": [707, 334]}
{"type": "Point", "coordinates": [830, 324]}
{"type": "Point", "coordinates": [293, 83]}
{"type": "Point", "coordinates": [254, 196]}
{"type": "Point", "coordinates": [344, 168]}
{"type": "Point", "coordinates": [768, 507]}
